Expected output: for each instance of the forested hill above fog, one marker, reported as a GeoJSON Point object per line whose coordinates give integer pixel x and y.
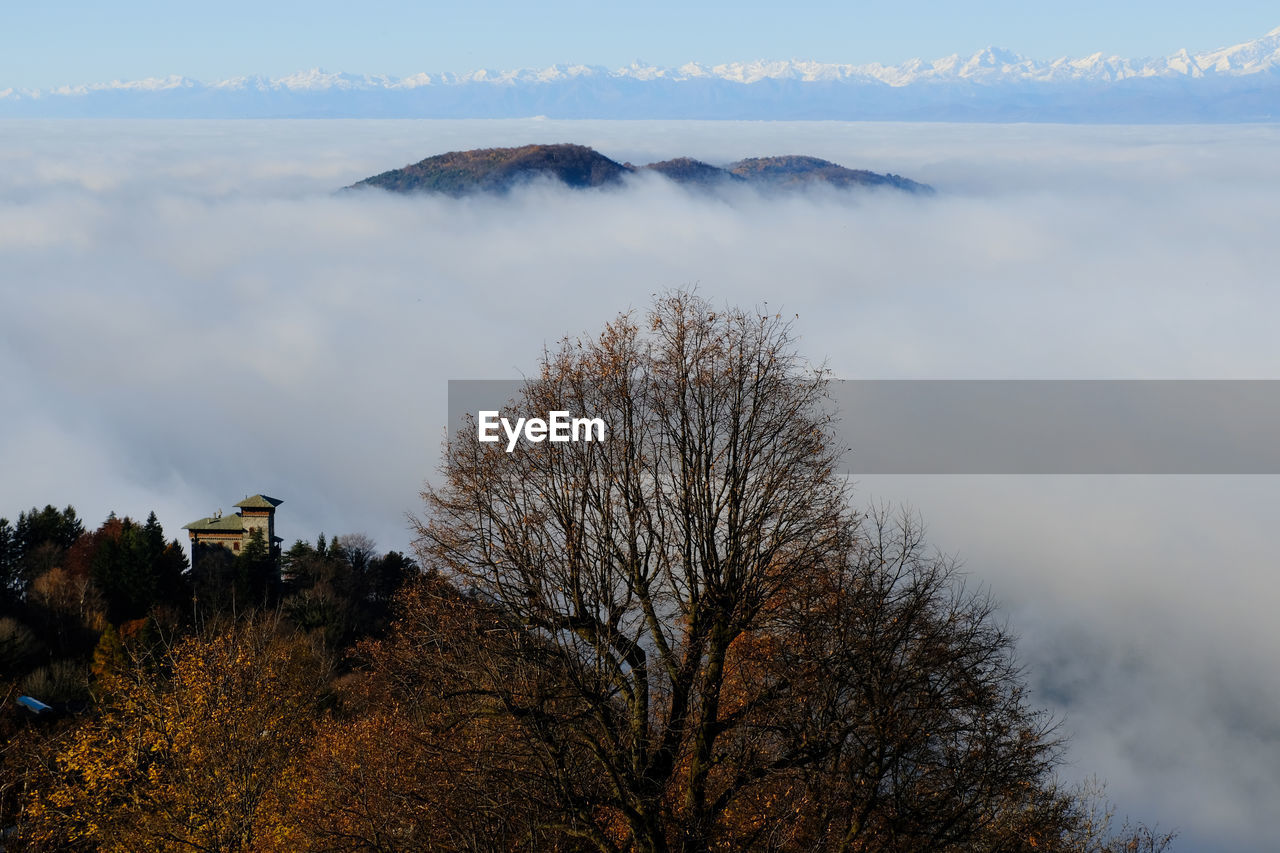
{"type": "Point", "coordinates": [497, 170]}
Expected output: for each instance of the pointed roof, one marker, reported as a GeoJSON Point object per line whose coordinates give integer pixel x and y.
{"type": "Point", "coordinates": [259, 502]}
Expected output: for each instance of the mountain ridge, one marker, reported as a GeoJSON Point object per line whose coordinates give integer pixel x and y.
{"type": "Point", "coordinates": [1250, 57]}
{"type": "Point", "coordinates": [498, 170]}
{"type": "Point", "coordinates": [998, 83]}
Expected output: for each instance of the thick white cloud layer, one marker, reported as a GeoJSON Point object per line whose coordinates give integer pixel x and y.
{"type": "Point", "coordinates": [189, 313]}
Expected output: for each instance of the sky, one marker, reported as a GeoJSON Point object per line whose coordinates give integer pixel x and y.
{"type": "Point", "coordinates": [192, 314]}
{"type": "Point", "coordinates": [50, 44]}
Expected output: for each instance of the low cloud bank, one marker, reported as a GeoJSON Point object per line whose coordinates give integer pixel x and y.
{"type": "Point", "coordinates": [190, 314]}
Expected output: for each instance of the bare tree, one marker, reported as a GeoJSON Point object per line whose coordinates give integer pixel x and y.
{"type": "Point", "coordinates": [686, 638]}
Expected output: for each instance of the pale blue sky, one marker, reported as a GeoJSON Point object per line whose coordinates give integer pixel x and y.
{"type": "Point", "coordinates": [53, 43]}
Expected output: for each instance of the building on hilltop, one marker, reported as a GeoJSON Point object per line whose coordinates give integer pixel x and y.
{"type": "Point", "coordinates": [233, 532]}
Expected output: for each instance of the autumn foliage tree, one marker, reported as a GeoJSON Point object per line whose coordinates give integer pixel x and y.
{"type": "Point", "coordinates": [415, 757]}
{"type": "Point", "coordinates": [689, 642]}
{"type": "Point", "coordinates": [195, 747]}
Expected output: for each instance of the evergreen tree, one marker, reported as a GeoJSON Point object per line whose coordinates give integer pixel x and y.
{"type": "Point", "coordinates": [39, 542]}
{"type": "Point", "coordinates": [257, 573]}
{"type": "Point", "coordinates": [168, 565]}
{"type": "Point", "coordinates": [341, 587]}
{"type": "Point", "coordinates": [112, 571]}
{"type": "Point", "coordinates": [10, 578]}
{"type": "Point", "coordinates": [387, 574]}
{"type": "Point", "coordinates": [136, 570]}
{"type": "Point", "coordinates": [48, 525]}
{"type": "Point", "coordinates": [293, 564]}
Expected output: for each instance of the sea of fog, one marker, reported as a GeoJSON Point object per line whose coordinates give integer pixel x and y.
{"type": "Point", "coordinates": [189, 313]}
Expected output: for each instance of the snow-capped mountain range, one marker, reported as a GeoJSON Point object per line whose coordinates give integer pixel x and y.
{"type": "Point", "coordinates": [1236, 83]}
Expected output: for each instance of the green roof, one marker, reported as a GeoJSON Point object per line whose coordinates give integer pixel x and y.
{"type": "Point", "coordinates": [259, 502]}
{"type": "Point", "coordinates": [226, 523]}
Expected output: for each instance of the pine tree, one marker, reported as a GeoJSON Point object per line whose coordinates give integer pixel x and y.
{"type": "Point", "coordinates": [41, 539]}
{"type": "Point", "coordinates": [10, 578]}
{"type": "Point", "coordinates": [257, 574]}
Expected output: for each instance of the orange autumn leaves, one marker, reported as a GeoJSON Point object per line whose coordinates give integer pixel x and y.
{"type": "Point", "coordinates": [194, 747]}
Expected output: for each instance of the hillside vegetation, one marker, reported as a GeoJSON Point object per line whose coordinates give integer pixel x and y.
{"type": "Point", "coordinates": [498, 170]}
